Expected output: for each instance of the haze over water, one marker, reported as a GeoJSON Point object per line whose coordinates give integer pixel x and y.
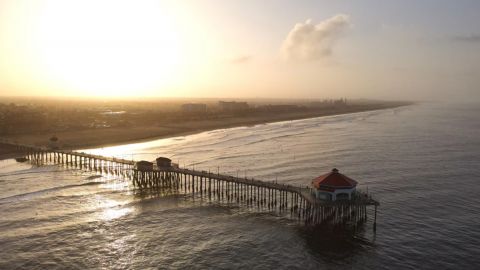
{"type": "Point", "coordinates": [420, 161]}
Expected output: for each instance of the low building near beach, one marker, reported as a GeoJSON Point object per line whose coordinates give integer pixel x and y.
{"type": "Point", "coordinates": [194, 108]}
{"type": "Point", "coordinates": [334, 186]}
{"type": "Point", "coordinates": [232, 106]}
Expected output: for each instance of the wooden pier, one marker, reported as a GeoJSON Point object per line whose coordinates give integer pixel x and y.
{"type": "Point", "coordinates": [296, 202]}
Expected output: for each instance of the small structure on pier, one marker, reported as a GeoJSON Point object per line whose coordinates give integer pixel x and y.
{"type": "Point", "coordinates": [163, 162]}
{"type": "Point", "coordinates": [334, 186]}
{"type": "Point", "coordinates": [144, 166]}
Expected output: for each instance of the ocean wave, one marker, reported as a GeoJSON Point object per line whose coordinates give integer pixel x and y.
{"type": "Point", "coordinates": [46, 169]}
{"type": "Point", "coordinates": [28, 195]}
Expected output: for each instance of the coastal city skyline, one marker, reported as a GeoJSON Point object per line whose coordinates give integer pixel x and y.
{"type": "Point", "coordinates": [369, 49]}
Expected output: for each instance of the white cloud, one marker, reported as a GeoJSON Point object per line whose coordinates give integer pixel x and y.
{"type": "Point", "coordinates": [307, 41]}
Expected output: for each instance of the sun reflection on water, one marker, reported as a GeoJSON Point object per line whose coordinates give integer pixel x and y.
{"type": "Point", "coordinates": [114, 213]}
{"type": "Point", "coordinates": [111, 209]}
{"type": "Point", "coordinates": [131, 151]}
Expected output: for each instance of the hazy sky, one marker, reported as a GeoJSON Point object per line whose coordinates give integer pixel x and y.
{"type": "Point", "coordinates": [306, 49]}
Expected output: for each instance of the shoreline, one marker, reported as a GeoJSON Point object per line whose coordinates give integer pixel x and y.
{"type": "Point", "coordinates": [72, 140]}
{"type": "Point", "coordinates": [198, 131]}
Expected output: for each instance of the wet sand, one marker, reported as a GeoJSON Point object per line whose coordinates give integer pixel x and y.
{"type": "Point", "coordinates": [115, 136]}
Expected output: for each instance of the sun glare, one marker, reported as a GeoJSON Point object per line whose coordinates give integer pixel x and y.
{"type": "Point", "coordinates": [108, 48]}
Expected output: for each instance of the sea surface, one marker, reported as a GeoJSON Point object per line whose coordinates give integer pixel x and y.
{"type": "Point", "coordinates": [422, 163]}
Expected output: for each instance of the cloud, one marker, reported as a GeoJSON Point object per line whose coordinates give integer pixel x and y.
{"type": "Point", "coordinates": [467, 38]}
{"type": "Point", "coordinates": [309, 42]}
{"type": "Point", "coordinates": [242, 59]}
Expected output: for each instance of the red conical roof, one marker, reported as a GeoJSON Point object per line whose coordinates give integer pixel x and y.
{"type": "Point", "coordinates": [333, 180]}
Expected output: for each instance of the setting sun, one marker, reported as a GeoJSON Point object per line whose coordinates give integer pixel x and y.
{"type": "Point", "coordinates": [107, 48]}
{"type": "Point", "coordinates": [208, 48]}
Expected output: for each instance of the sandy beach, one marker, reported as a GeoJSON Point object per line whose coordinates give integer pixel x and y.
{"type": "Point", "coordinates": [100, 137]}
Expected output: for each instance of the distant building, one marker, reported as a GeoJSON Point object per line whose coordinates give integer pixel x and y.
{"type": "Point", "coordinates": [334, 186]}
{"type": "Point", "coordinates": [194, 108]}
{"type": "Point", "coordinates": [280, 108]}
{"type": "Point", "coordinates": [329, 103]}
{"type": "Point", "coordinates": [341, 101]}
{"type": "Point", "coordinates": [233, 105]}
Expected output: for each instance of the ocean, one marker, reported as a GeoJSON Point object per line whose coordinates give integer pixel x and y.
{"type": "Point", "coordinates": [422, 162]}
